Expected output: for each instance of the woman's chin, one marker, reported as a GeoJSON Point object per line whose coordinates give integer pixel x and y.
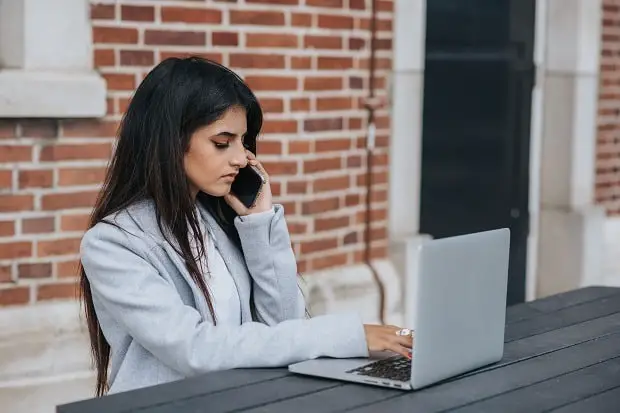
{"type": "Point", "coordinates": [218, 190]}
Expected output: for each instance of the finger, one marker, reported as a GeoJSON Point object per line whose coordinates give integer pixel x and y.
{"type": "Point", "coordinates": [250, 155]}
{"type": "Point", "coordinates": [405, 341]}
{"type": "Point", "coordinates": [235, 204]}
{"type": "Point", "coordinates": [398, 349]}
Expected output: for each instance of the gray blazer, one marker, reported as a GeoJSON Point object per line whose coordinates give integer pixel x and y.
{"type": "Point", "coordinates": [157, 321]}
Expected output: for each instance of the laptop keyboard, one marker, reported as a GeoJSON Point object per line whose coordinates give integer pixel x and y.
{"type": "Point", "coordinates": [393, 368]}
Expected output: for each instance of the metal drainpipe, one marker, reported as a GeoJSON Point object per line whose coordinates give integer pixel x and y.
{"type": "Point", "coordinates": [371, 105]}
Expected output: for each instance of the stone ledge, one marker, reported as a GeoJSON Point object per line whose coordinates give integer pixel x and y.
{"type": "Point", "coordinates": [49, 94]}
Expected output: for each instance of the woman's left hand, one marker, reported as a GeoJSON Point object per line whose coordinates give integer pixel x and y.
{"type": "Point", "coordinates": [263, 203]}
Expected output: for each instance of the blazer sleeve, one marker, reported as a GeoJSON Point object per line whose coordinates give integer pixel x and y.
{"type": "Point", "coordinates": [132, 292]}
{"type": "Point", "coordinates": [272, 265]}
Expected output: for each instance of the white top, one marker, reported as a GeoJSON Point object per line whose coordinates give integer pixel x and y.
{"type": "Point", "coordinates": [222, 286]}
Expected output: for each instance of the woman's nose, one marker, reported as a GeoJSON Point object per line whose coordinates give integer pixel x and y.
{"type": "Point", "coordinates": [240, 158]}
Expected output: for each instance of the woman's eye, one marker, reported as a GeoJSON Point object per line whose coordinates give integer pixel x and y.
{"type": "Point", "coordinates": [219, 145]}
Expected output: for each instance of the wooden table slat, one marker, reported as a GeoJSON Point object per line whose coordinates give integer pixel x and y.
{"type": "Point", "coordinates": [540, 344]}
{"type": "Point", "coordinates": [250, 396]}
{"type": "Point", "coordinates": [494, 382]}
{"type": "Point", "coordinates": [553, 393]}
{"type": "Point", "coordinates": [606, 402]}
{"type": "Point", "coordinates": [520, 312]}
{"type": "Point", "coordinates": [332, 400]}
{"type": "Point", "coordinates": [163, 393]}
{"type": "Point", "coordinates": [563, 318]}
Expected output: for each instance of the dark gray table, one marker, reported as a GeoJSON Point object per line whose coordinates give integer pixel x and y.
{"type": "Point", "coordinates": [562, 354]}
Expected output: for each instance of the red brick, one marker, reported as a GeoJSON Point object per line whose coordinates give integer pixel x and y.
{"type": "Point", "coordinates": [334, 103]}
{"type": "Point", "coordinates": [66, 152]}
{"type": "Point", "coordinates": [357, 4]}
{"type": "Point", "coordinates": [354, 161]}
{"type": "Point", "coordinates": [301, 19]}
{"type": "Point", "coordinates": [89, 128]}
{"type": "Point", "coordinates": [265, 147]}
{"type": "Point", "coordinates": [38, 225]}
{"type": "Point", "coordinates": [272, 105]}
{"type": "Point", "coordinates": [41, 178]}
{"type": "Point", "coordinates": [271, 40]}
{"type": "Point", "coordinates": [322, 83]}
{"type": "Point", "coordinates": [329, 261]}
{"type": "Point", "coordinates": [138, 13]}
{"type": "Point", "coordinates": [325, 3]}
{"type": "Point", "coordinates": [66, 246]}
{"type": "Point", "coordinates": [102, 11]}
{"type": "Point", "coordinates": [120, 81]}
{"type": "Point", "coordinates": [331, 184]}
{"type": "Point", "coordinates": [67, 269]}
{"type": "Point", "coordinates": [377, 178]}
{"type": "Point", "coordinates": [74, 222]}
{"type": "Point", "coordinates": [81, 176]}
{"type": "Point", "coordinates": [328, 21]}
{"type": "Point", "coordinates": [174, 38]}
{"type": "Point", "coordinates": [257, 61]}
{"type": "Point", "coordinates": [57, 291]}
{"type": "Point", "coordinates": [322, 164]}
{"type": "Point", "coordinates": [351, 238]}
{"type": "Point", "coordinates": [14, 296]}
{"type": "Point", "coordinates": [295, 228]}
{"type": "Point", "coordinates": [11, 153]}
{"type": "Point", "coordinates": [104, 57]}
{"type": "Point", "coordinates": [356, 43]}
{"type": "Point", "coordinates": [137, 58]}
{"type": "Point", "coordinates": [327, 224]}
{"type": "Point", "coordinates": [40, 270]}
{"type": "Point", "coordinates": [322, 42]}
{"type": "Point", "coordinates": [6, 274]}
{"type": "Point", "coordinates": [39, 128]}
{"type": "Point", "coordinates": [15, 249]}
{"type": "Point", "coordinates": [6, 179]}
{"type": "Point", "coordinates": [216, 57]}
{"type": "Point", "coordinates": [280, 167]}
{"type": "Point", "coordinates": [352, 200]}
{"type": "Point", "coordinates": [264, 83]}
{"type": "Point", "coordinates": [316, 206]}
{"type": "Point", "coordinates": [289, 2]}
{"type": "Point", "coordinates": [319, 125]}
{"type": "Point", "coordinates": [7, 228]}
{"type": "Point", "coordinates": [297, 187]}
{"type": "Point", "coordinates": [297, 147]}
{"type": "Point", "coordinates": [225, 39]}
{"type": "Point", "coordinates": [115, 35]}
{"type": "Point", "coordinates": [16, 203]}
{"type": "Point", "coordinates": [262, 18]}
{"type": "Point", "coordinates": [319, 245]}
{"type": "Point", "coordinates": [280, 126]}
{"type": "Point", "coordinates": [333, 145]}
{"type": "Point", "coordinates": [301, 62]}
{"type": "Point", "coordinates": [385, 5]}
{"type": "Point", "coordinates": [190, 15]}
{"type": "Point", "coordinates": [335, 62]}
{"type": "Point", "coordinates": [70, 200]}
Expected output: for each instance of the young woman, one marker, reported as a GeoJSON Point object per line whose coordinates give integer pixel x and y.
{"type": "Point", "coordinates": [178, 277]}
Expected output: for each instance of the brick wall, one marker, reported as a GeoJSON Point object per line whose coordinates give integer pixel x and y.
{"type": "Point", "coordinates": [608, 151]}
{"type": "Point", "coordinates": [307, 61]}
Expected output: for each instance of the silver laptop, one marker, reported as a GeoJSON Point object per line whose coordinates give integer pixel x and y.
{"type": "Point", "coordinates": [459, 317]}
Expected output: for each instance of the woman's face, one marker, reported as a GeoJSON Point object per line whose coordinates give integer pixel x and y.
{"type": "Point", "coordinates": [216, 153]}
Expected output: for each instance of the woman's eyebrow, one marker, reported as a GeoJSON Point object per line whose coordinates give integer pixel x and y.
{"type": "Point", "coordinates": [226, 134]}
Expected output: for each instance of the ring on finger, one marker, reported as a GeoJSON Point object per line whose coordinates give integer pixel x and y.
{"type": "Point", "coordinates": [404, 332]}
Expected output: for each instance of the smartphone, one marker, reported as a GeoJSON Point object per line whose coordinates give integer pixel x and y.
{"type": "Point", "coordinates": [247, 185]}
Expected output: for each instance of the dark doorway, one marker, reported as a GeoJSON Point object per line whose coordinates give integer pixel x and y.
{"type": "Point", "coordinates": [478, 84]}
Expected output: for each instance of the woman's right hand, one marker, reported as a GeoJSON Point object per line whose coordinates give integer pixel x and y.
{"type": "Point", "coordinates": [382, 338]}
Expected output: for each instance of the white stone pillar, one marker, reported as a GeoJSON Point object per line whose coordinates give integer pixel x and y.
{"type": "Point", "coordinates": [570, 225]}
{"type": "Point", "coordinates": [46, 65]}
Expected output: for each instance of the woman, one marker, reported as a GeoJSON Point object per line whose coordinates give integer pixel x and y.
{"type": "Point", "coordinates": [178, 277]}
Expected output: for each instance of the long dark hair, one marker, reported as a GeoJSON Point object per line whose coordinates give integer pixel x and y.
{"type": "Point", "coordinates": [175, 99]}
